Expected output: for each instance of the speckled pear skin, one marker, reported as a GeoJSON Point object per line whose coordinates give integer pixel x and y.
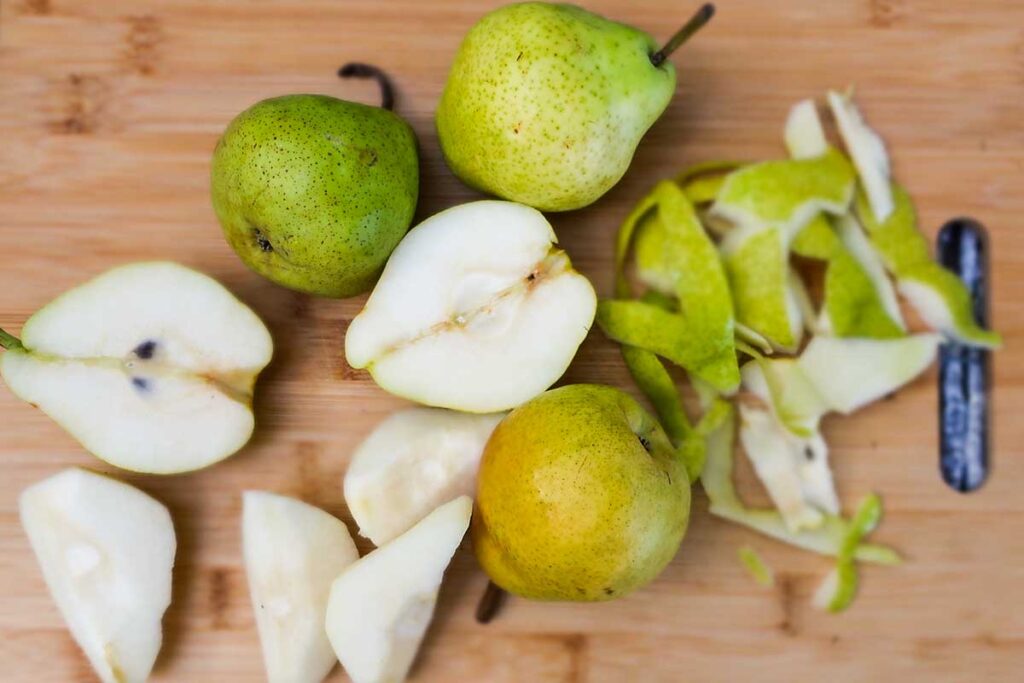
{"type": "Point", "coordinates": [571, 505]}
{"type": "Point", "coordinates": [545, 104]}
{"type": "Point", "coordinates": [314, 192]}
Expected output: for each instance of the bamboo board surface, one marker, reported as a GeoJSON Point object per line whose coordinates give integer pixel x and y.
{"type": "Point", "coordinates": [108, 115]}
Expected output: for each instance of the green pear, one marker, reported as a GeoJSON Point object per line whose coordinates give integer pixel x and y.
{"type": "Point", "coordinates": [546, 103]}
{"type": "Point", "coordinates": [314, 192]}
{"type": "Point", "coordinates": [580, 497]}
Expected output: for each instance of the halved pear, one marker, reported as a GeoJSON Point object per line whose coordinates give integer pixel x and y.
{"type": "Point", "coordinates": [380, 607]}
{"type": "Point", "coordinates": [867, 150]}
{"type": "Point", "coordinates": [411, 463]}
{"type": "Point", "coordinates": [476, 310]}
{"type": "Point", "coordinates": [150, 366]}
{"type": "Point", "coordinates": [794, 469]}
{"type": "Point", "coordinates": [293, 551]}
{"type": "Point", "coordinates": [106, 550]}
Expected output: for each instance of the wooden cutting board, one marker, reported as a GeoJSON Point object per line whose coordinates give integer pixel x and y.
{"type": "Point", "coordinates": [108, 115]}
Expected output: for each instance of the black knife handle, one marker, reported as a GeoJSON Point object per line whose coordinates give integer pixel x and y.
{"type": "Point", "coordinates": [964, 375]}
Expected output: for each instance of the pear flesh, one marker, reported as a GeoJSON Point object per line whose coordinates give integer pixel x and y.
{"type": "Point", "coordinates": [380, 607]}
{"type": "Point", "coordinates": [150, 366]}
{"type": "Point", "coordinates": [476, 310]}
{"type": "Point", "coordinates": [411, 463]}
{"type": "Point", "coordinates": [293, 551]}
{"type": "Point", "coordinates": [106, 551]}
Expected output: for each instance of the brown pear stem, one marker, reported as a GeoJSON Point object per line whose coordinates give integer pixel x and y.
{"type": "Point", "coordinates": [360, 70]}
{"type": "Point", "coordinates": [9, 341]}
{"type": "Point", "coordinates": [490, 603]}
{"type": "Point", "coordinates": [696, 22]}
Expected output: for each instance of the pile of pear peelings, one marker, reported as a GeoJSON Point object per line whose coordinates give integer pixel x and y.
{"type": "Point", "coordinates": [713, 249]}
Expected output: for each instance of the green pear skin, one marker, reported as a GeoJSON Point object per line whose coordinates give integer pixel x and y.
{"type": "Point", "coordinates": [314, 192]}
{"type": "Point", "coordinates": [580, 497]}
{"type": "Point", "coordinates": [545, 104]}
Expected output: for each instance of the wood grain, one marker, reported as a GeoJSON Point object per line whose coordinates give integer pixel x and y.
{"type": "Point", "coordinates": [108, 114]}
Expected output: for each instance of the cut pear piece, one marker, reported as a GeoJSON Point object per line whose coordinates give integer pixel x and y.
{"type": "Point", "coordinates": [380, 607]}
{"type": "Point", "coordinates": [793, 469]}
{"type": "Point", "coordinates": [293, 551]}
{"type": "Point", "coordinates": [150, 366]}
{"type": "Point", "coordinates": [106, 551]}
{"type": "Point", "coordinates": [867, 150]}
{"type": "Point", "coordinates": [804, 136]}
{"type": "Point", "coordinates": [411, 463]}
{"type": "Point", "coordinates": [476, 310]}
{"type": "Point", "coordinates": [826, 539]}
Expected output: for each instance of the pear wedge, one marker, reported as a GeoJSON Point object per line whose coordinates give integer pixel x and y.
{"type": "Point", "coordinates": [380, 607]}
{"type": "Point", "coordinates": [293, 551]}
{"type": "Point", "coordinates": [150, 366]}
{"type": "Point", "coordinates": [476, 310]}
{"type": "Point", "coordinates": [106, 550]}
{"type": "Point", "coordinates": [411, 463]}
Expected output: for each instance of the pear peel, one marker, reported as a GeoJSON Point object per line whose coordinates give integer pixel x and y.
{"type": "Point", "coordinates": [476, 310]}
{"type": "Point", "coordinates": [106, 551]}
{"type": "Point", "coordinates": [868, 153]}
{"type": "Point", "coordinates": [411, 463]}
{"type": "Point", "coordinates": [150, 366]}
{"type": "Point", "coordinates": [380, 606]}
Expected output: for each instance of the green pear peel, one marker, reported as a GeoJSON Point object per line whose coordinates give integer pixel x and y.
{"type": "Point", "coordinates": [827, 539]}
{"type": "Point", "coordinates": [840, 586]}
{"type": "Point", "coordinates": [936, 293]}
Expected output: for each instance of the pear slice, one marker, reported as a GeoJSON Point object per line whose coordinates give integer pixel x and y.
{"type": "Point", "coordinates": [793, 469]}
{"type": "Point", "coordinates": [293, 551]}
{"type": "Point", "coordinates": [476, 310]}
{"type": "Point", "coordinates": [804, 135]}
{"type": "Point", "coordinates": [150, 366]}
{"type": "Point", "coordinates": [867, 151]}
{"type": "Point", "coordinates": [412, 462]}
{"type": "Point", "coordinates": [380, 607]}
{"type": "Point", "coordinates": [936, 293]}
{"type": "Point", "coordinates": [106, 551]}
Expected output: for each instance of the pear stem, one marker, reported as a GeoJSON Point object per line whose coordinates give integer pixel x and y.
{"type": "Point", "coordinates": [696, 22]}
{"type": "Point", "coordinates": [490, 604]}
{"type": "Point", "coordinates": [9, 341]}
{"type": "Point", "coordinates": [360, 70]}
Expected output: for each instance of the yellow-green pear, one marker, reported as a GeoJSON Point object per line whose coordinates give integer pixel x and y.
{"type": "Point", "coordinates": [580, 497]}
{"type": "Point", "coordinates": [314, 192]}
{"type": "Point", "coordinates": [546, 103]}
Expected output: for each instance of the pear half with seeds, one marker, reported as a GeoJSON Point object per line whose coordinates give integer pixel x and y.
{"type": "Point", "coordinates": [477, 310]}
{"type": "Point", "coordinates": [106, 551]}
{"type": "Point", "coordinates": [150, 366]}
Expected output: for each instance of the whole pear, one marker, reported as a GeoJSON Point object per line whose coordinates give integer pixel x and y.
{"type": "Point", "coordinates": [314, 192]}
{"type": "Point", "coordinates": [546, 103]}
{"type": "Point", "coordinates": [580, 497]}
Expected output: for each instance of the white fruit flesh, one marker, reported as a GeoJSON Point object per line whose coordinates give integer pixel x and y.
{"type": "Point", "coordinates": [150, 366]}
{"type": "Point", "coordinates": [851, 373]}
{"type": "Point", "coordinates": [293, 551]}
{"type": "Point", "coordinates": [380, 607]}
{"type": "Point", "coordinates": [106, 551]}
{"type": "Point", "coordinates": [793, 469]}
{"type": "Point", "coordinates": [412, 462]}
{"type": "Point", "coordinates": [476, 310]}
{"type": "Point", "coordinates": [804, 136]}
{"type": "Point", "coordinates": [867, 151]}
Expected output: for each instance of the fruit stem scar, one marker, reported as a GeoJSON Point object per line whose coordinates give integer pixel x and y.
{"type": "Point", "coordinates": [10, 342]}
{"type": "Point", "coordinates": [696, 22]}
{"type": "Point", "coordinates": [360, 70]}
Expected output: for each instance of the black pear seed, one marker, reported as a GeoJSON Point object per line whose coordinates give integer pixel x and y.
{"type": "Point", "coordinates": [146, 349]}
{"type": "Point", "coordinates": [140, 383]}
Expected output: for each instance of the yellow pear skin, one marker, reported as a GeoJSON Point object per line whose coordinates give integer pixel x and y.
{"type": "Point", "coordinates": [580, 497]}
